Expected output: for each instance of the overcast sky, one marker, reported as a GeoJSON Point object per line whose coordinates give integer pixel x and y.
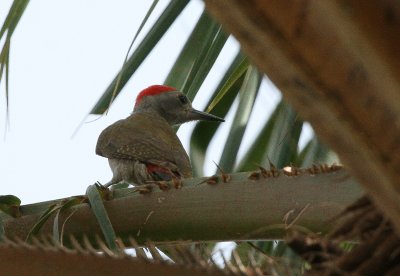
{"type": "Point", "coordinates": [63, 56]}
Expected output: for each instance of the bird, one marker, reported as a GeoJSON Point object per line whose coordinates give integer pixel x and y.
{"type": "Point", "coordinates": [144, 146]}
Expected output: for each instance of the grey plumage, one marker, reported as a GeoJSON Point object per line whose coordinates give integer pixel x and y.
{"type": "Point", "coordinates": [144, 146]}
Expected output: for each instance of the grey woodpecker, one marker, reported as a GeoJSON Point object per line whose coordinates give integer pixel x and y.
{"type": "Point", "coordinates": [144, 147]}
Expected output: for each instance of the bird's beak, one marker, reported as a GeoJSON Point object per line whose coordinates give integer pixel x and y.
{"type": "Point", "coordinates": [203, 116]}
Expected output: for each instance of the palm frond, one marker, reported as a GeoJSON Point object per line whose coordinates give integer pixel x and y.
{"type": "Point", "coordinates": [10, 23]}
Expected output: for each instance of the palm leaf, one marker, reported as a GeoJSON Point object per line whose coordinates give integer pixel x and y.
{"type": "Point", "coordinates": [203, 131]}
{"type": "Point", "coordinates": [10, 23]}
{"type": "Point", "coordinates": [283, 144]}
{"type": "Point", "coordinates": [189, 61]}
{"type": "Point", "coordinates": [255, 155]}
{"type": "Point", "coordinates": [315, 152]}
{"type": "Point", "coordinates": [157, 31]}
{"type": "Point", "coordinates": [247, 96]}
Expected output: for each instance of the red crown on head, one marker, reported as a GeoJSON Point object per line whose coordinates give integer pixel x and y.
{"type": "Point", "coordinates": [153, 90]}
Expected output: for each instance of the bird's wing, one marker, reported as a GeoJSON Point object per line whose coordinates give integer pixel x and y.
{"type": "Point", "coordinates": [136, 140]}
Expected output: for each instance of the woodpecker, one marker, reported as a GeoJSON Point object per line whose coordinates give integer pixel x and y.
{"type": "Point", "coordinates": [144, 147]}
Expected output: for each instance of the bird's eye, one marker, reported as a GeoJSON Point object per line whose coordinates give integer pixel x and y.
{"type": "Point", "coordinates": [183, 99]}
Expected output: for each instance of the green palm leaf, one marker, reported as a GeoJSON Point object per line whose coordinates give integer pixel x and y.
{"type": "Point", "coordinates": [247, 96]}
{"type": "Point", "coordinates": [10, 23]}
{"type": "Point", "coordinates": [204, 132]}
{"type": "Point", "coordinates": [144, 48]}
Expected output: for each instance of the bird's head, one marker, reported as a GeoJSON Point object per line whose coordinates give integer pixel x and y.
{"type": "Point", "coordinates": [171, 104]}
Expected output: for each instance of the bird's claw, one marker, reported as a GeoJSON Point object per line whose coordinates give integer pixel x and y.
{"type": "Point", "coordinates": [177, 182]}
{"type": "Point", "coordinates": [145, 189]}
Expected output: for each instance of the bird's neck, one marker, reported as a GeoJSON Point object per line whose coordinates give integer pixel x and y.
{"type": "Point", "coordinates": [151, 114]}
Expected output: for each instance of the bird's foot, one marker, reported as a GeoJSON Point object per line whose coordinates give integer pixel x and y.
{"type": "Point", "coordinates": [162, 185]}
{"type": "Point", "coordinates": [145, 189]}
{"type": "Point", "coordinates": [177, 182]}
